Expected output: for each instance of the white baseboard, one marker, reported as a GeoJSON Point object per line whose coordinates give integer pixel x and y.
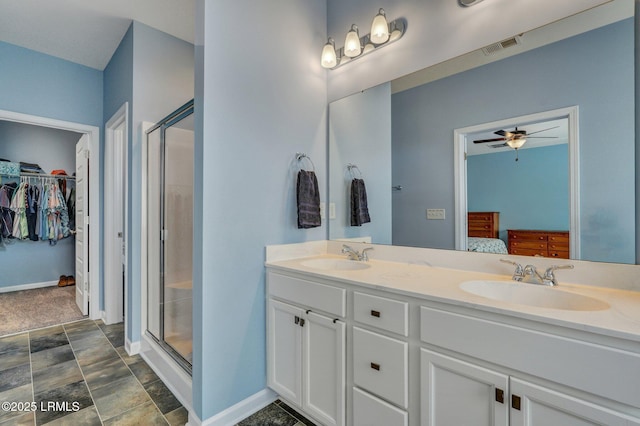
{"type": "Point", "coordinates": [237, 412]}
{"type": "Point", "coordinates": [28, 286]}
{"type": "Point", "coordinates": [132, 348]}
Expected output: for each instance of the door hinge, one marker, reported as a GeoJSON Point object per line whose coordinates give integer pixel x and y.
{"type": "Point", "coordinates": [296, 320]}
{"type": "Point", "coordinates": [86, 153]}
{"type": "Point", "coordinates": [500, 395]}
{"type": "Point", "coordinates": [86, 286]}
{"type": "Point", "coordinates": [301, 322]}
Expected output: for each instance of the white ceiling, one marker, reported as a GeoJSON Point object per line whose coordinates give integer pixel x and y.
{"type": "Point", "coordinates": [88, 32]}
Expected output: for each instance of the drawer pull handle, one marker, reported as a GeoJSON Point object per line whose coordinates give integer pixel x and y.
{"type": "Point", "coordinates": [515, 402]}
{"type": "Point", "coordinates": [375, 366]}
{"type": "Point", "coordinates": [375, 313]}
{"type": "Point", "coordinates": [500, 395]}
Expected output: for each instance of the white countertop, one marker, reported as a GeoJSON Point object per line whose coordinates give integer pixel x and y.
{"type": "Point", "coordinates": [439, 284]}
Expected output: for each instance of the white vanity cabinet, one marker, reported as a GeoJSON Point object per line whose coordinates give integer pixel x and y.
{"type": "Point", "coordinates": [306, 349]}
{"type": "Point", "coordinates": [457, 391]}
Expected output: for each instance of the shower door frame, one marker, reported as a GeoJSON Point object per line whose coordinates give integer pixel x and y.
{"type": "Point", "coordinates": [166, 123]}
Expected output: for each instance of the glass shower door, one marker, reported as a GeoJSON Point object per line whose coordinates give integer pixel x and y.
{"type": "Point", "coordinates": [170, 234]}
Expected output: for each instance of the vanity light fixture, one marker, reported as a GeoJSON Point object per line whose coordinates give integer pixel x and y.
{"type": "Point", "coordinates": [382, 34]}
{"type": "Point", "coordinates": [329, 59]}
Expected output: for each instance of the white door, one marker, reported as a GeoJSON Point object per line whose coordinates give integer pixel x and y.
{"type": "Point", "coordinates": [455, 392]}
{"type": "Point", "coordinates": [533, 405]}
{"type": "Point", "coordinates": [285, 350]}
{"type": "Point", "coordinates": [324, 369]}
{"type": "Point", "coordinates": [82, 224]}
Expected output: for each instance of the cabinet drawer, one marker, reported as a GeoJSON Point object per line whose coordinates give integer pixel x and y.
{"type": "Point", "coordinates": [380, 366]}
{"type": "Point", "coordinates": [371, 411]}
{"type": "Point", "coordinates": [559, 238]}
{"type": "Point", "coordinates": [307, 293]}
{"type": "Point", "coordinates": [481, 234]}
{"type": "Point", "coordinates": [386, 314]}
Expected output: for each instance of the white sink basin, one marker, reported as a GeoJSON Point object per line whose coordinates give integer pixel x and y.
{"type": "Point", "coordinates": [533, 295]}
{"type": "Point", "coordinates": [335, 264]}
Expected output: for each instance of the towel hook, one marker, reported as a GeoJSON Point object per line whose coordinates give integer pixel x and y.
{"type": "Point", "coordinates": [351, 167]}
{"type": "Point", "coordinates": [300, 156]}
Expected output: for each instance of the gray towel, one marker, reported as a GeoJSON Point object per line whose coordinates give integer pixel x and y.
{"type": "Point", "coordinates": [308, 198]}
{"type": "Point", "coordinates": [359, 208]}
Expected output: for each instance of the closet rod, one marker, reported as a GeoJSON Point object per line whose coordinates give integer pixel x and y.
{"type": "Point", "coordinates": [41, 175]}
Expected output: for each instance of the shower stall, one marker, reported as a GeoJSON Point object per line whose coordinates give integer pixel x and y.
{"type": "Point", "coordinates": [169, 215]}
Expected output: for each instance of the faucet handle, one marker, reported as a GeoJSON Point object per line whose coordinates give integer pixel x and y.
{"type": "Point", "coordinates": [364, 255]}
{"type": "Point", "coordinates": [549, 275]}
{"type": "Point", "coordinates": [518, 274]}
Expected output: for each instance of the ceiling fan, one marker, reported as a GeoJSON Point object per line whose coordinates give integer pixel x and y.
{"type": "Point", "coordinates": [515, 138]}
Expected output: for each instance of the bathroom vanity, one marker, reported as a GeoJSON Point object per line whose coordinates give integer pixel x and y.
{"type": "Point", "coordinates": [402, 343]}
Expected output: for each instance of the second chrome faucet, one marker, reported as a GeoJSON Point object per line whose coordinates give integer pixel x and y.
{"type": "Point", "coordinates": [529, 273]}
{"type": "Point", "coordinates": [355, 254]}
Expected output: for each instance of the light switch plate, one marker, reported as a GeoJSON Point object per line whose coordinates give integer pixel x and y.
{"type": "Point", "coordinates": [437, 214]}
{"type": "Point", "coordinates": [322, 210]}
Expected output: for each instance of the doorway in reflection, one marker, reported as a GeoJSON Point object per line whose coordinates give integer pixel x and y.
{"type": "Point", "coordinates": [170, 151]}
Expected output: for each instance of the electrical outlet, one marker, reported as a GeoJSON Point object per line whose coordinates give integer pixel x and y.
{"type": "Point", "coordinates": [437, 214]}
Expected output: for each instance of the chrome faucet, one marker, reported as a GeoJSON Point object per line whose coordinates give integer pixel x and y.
{"type": "Point", "coordinates": [355, 254]}
{"type": "Point", "coordinates": [548, 278]}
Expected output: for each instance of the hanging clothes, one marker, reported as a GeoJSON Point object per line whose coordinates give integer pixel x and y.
{"type": "Point", "coordinates": [6, 214]}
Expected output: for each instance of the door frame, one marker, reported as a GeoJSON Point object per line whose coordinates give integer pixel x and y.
{"type": "Point", "coordinates": [95, 243]}
{"type": "Point", "coordinates": [116, 185]}
{"type": "Point", "coordinates": [460, 171]}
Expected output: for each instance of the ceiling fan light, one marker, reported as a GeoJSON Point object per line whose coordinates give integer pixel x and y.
{"type": "Point", "coordinates": [516, 143]}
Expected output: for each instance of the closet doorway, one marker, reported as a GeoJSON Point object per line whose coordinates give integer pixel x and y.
{"type": "Point", "coordinates": [87, 258]}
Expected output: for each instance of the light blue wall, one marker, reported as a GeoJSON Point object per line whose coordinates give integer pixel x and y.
{"type": "Point", "coordinates": [38, 84]}
{"type": "Point", "coordinates": [360, 133]}
{"type": "Point", "coordinates": [260, 98]}
{"type": "Point", "coordinates": [565, 73]}
{"type": "Point", "coordinates": [118, 89]}
{"type": "Point", "coordinates": [42, 85]}
{"type": "Point", "coordinates": [531, 193]}
{"type": "Point", "coordinates": [37, 261]}
{"type": "Point", "coordinates": [163, 80]}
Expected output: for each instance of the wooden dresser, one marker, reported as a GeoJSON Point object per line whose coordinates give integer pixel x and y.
{"type": "Point", "coordinates": [483, 224]}
{"type": "Point", "coordinates": [539, 243]}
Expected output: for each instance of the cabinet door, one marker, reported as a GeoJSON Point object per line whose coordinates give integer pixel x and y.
{"type": "Point", "coordinates": [533, 405]}
{"type": "Point", "coordinates": [455, 392]}
{"type": "Point", "coordinates": [284, 336]}
{"type": "Point", "coordinates": [324, 369]}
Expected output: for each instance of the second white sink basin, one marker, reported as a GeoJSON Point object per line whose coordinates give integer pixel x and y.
{"type": "Point", "coordinates": [335, 264]}
{"type": "Point", "coordinates": [533, 295]}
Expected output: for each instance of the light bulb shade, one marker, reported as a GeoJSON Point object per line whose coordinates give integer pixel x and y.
{"type": "Point", "coordinates": [368, 48]}
{"type": "Point", "coordinates": [379, 28]}
{"type": "Point", "coordinates": [328, 59]}
{"type": "Point", "coordinates": [352, 46]}
{"type": "Point", "coordinates": [516, 143]}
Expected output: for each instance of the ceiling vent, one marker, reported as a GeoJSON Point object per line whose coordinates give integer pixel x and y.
{"type": "Point", "coordinates": [501, 45]}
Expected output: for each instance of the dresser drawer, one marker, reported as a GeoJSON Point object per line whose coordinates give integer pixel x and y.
{"type": "Point", "coordinates": [529, 245]}
{"type": "Point", "coordinates": [560, 238]}
{"type": "Point", "coordinates": [309, 294]}
{"type": "Point", "coordinates": [527, 252]}
{"type": "Point", "coordinates": [371, 411]}
{"type": "Point", "coordinates": [385, 314]}
{"type": "Point", "coordinates": [380, 366]}
{"type": "Point", "coordinates": [481, 234]}
{"type": "Point", "coordinates": [528, 236]}
{"type": "Point", "coordinates": [560, 254]}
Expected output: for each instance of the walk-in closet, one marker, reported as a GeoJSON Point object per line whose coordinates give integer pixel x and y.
{"type": "Point", "coordinates": [38, 195]}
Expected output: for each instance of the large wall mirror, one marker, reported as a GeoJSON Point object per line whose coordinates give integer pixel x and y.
{"type": "Point", "coordinates": [401, 137]}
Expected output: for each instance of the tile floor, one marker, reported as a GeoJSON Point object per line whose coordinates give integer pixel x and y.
{"type": "Point", "coordinates": [83, 365]}
{"type": "Point", "coordinates": [84, 368]}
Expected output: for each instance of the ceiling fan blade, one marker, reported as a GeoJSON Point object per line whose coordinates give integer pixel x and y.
{"type": "Point", "coordinates": [544, 130]}
{"type": "Point", "coordinates": [501, 133]}
{"type": "Point", "coordinates": [489, 140]}
{"type": "Point", "coordinates": [542, 137]}
{"type": "Point", "coordinates": [499, 145]}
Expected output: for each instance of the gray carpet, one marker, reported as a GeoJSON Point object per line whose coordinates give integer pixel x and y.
{"type": "Point", "coordinates": [40, 307]}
